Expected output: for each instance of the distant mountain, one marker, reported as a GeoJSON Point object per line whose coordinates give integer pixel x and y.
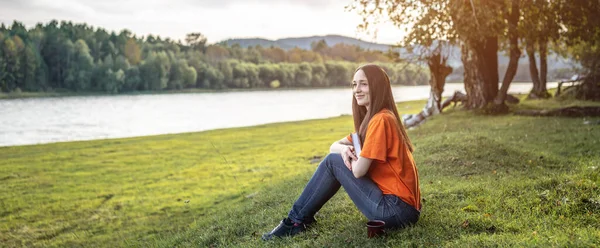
{"type": "Point", "coordinates": [250, 42]}
{"type": "Point", "coordinates": [304, 42]}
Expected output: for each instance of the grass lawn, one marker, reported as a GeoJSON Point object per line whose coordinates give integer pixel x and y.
{"type": "Point", "coordinates": [486, 181]}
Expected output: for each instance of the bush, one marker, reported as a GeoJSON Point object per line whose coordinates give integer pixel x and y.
{"type": "Point", "coordinates": [274, 84]}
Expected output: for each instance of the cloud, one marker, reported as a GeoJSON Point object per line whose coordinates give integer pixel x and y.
{"type": "Point", "coordinates": [306, 3]}
{"type": "Point", "coordinates": [218, 20]}
{"type": "Point", "coordinates": [129, 6]}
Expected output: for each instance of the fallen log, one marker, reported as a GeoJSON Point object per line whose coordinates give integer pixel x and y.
{"type": "Point", "coordinates": [431, 109]}
{"type": "Point", "coordinates": [455, 98]}
{"type": "Point", "coordinates": [413, 120]}
{"type": "Point", "coordinates": [588, 111]}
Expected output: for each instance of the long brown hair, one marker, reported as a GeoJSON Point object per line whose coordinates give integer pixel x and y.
{"type": "Point", "coordinates": [381, 97]}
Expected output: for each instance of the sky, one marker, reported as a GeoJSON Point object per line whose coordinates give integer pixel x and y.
{"type": "Point", "coordinates": [216, 19]}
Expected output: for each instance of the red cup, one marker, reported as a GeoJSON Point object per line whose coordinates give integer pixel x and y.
{"type": "Point", "coordinates": [375, 228]}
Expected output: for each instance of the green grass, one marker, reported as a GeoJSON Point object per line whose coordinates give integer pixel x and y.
{"type": "Point", "coordinates": [486, 181]}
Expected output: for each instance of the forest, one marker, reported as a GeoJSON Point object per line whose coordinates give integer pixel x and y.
{"type": "Point", "coordinates": [63, 56]}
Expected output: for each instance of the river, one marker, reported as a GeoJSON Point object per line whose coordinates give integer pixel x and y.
{"type": "Point", "coordinates": [56, 119]}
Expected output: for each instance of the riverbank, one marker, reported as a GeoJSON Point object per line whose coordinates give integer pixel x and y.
{"type": "Point", "coordinates": [76, 118]}
{"type": "Point", "coordinates": [23, 95]}
{"type": "Point", "coordinates": [486, 181]}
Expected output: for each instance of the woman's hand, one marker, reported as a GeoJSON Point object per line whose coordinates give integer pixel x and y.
{"type": "Point", "coordinates": [348, 156]}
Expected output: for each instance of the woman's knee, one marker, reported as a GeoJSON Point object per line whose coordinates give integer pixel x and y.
{"type": "Point", "coordinates": [333, 159]}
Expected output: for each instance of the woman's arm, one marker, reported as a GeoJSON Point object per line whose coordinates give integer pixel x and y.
{"type": "Point", "coordinates": [360, 166]}
{"type": "Point", "coordinates": [344, 147]}
{"type": "Point", "coordinates": [337, 146]}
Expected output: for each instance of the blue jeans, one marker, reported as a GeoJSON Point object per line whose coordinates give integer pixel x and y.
{"type": "Point", "coordinates": [333, 173]}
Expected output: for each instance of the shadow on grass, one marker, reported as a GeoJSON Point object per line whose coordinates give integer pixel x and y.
{"type": "Point", "coordinates": [340, 224]}
{"type": "Point", "coordinates": [499, 187]}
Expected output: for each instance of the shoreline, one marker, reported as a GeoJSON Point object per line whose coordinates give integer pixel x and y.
{"type": "Point", "coordinates": [27, 95]}
{"type": "Point", "coordinates": [409, 107]}
{"type": "Point", "coordinates": [34, 95]}
{"type": "Point", "coordinates": [414, 106]}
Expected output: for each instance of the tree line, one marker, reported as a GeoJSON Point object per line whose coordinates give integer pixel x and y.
{"type": "Point", "coordinates": [77, 57]}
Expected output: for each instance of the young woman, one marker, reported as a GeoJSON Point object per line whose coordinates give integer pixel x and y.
{"type": "Point", "coordinates": [382, 180]}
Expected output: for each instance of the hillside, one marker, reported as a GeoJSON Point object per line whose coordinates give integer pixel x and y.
{"type": "Point", "coordinates": [555, 62]}
{"type": "Point", "coordinates": [304, 42]}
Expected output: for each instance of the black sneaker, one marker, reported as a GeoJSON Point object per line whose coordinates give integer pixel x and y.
{"type": "Point", "coordinates": [310, 221]}
{"type": "Point", "coordinates": [285, 228]}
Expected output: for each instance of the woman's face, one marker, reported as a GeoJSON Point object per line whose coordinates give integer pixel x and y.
{"type": "Point", "coordinates": [360, 88]}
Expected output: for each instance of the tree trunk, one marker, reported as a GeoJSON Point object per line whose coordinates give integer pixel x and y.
{"type": "Point", "coordinates": [439, 70]}
{"type": "Point", "coordinates": [515, 53]}
{"type": "Point", "coordinates": [590, 88]}
{"type": "Point", "coordinates": [490, 66]}
{"type": "Point", "coordinates": [480, 60]}
{"type": "Point", "coordinates": [533, 71]}
{"type": "Point", "coordinates": [542, 90]}
{"type": "Point", "coordinates": [473, 77]}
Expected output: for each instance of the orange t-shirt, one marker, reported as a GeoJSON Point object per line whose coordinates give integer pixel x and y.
{"type": "Point", "coordinates": [393, 168]}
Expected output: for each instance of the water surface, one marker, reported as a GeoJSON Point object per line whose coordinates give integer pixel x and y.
{"type": "Point", "coordinates": [46, 120]}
